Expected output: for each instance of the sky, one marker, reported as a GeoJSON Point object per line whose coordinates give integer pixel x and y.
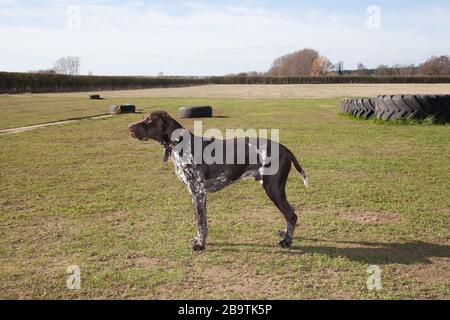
{"type": "Point", "coordinates": [217, 37]}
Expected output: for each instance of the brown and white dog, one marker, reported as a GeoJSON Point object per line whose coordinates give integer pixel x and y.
{"type": "Point", "coordinates": [201, 177]}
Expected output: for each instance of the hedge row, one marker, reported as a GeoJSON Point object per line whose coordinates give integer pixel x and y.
{"type": "Point", "coordinates": [39, 83]}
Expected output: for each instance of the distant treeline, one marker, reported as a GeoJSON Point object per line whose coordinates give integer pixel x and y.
{"type": "Point", "coordinates": [309, 62]}
{"type": "Point", "coordinates": [326, 79]}
{"type": "Point", "coordinates": [47, 83]}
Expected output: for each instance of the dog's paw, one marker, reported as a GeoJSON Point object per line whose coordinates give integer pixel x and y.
{"type": "Point", "coordinates": [286, 244]}
{"type": "Point", "coordinates": [198, 247]}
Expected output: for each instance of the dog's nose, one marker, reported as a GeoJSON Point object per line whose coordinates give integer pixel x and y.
{"type": "Point", "coordinates": [130, 127]}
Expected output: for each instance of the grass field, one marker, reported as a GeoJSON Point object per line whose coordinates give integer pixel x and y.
{"type": "Point", "coordinates": [88, 194]}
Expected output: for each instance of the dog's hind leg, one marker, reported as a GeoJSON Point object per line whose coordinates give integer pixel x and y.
{"type": "Point", "coordinates": [275, 189]}
{"type": "Point", "coordinates": [199, 201]}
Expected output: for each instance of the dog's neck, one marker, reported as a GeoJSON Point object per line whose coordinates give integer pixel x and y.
{"type": "Point", "coordinates": [168, 144]}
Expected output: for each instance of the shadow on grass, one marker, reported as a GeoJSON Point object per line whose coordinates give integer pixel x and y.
{"type": "Point", "coordinates": [364, 252]}
{"type": "Point", "coordinates": [400, 122]}
{"type": "Point", "coordinates": [205, 118]}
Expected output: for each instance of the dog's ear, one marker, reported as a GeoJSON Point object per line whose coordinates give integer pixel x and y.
{"type": "Point", "coordinates": [170, 124]}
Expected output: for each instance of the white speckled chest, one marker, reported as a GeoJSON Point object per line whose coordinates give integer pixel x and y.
{"type": "Point", "coordinates": [186, 172]}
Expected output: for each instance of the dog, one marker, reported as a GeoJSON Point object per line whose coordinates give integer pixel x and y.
{"type": "Point", "coordinates": [201, 177]}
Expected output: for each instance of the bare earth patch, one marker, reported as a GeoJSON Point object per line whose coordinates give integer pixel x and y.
{"type": "Point", "coordinates": [147, 262]}
{"type": "Point", "coordinates": [373, 217]}
{"type": "Point", "coordinates": [45, 125]}
{"type": "Point", "coordinates": [264, 215]}
{"type": "Point", "coordinates": [437, 272]}
{"type": "Point", "coordinates": [237, 281]}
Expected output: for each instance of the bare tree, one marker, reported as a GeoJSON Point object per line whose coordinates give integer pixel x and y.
{"type": "Point", "coordinates": [383, 70]}
{"type": "Point", "coordinates": [321, 66]}
{"type": "Point", "coordinates": [435, 66]}
{"type": "Point", "coordinates": [298, 63]}
{"type": "Point", "coordinates": [362, 70]}
{"type": "Point", "coordinates": [402, 70]}
{"type": "Point", "coordinates": [408, 70]}
{"type": "Point", "coordinates": [68, 66]}
{"type": "Point", "coordinates": [339, 67]}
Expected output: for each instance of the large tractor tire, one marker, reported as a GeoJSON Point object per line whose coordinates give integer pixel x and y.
{"type": "Point", "coordinates": [347, 106]}
{"type": "Point", "coordinates": [413, 107]}
{"type": "Point", "coordinates": [195, 112]}
{"type": "Point", "coordinates": [361, 108]}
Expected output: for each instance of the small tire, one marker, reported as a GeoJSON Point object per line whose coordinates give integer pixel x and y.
{"type": "Point", "coordinates": [361, 108]}
{"type": "Point", "coordinates": [195, 112]}
{"type": "Point", "coordinates": [95, 97]}
{"type": "Point", "coordinates": [413, 107]}
{"type": "Point", "coordinates": [121, 109]}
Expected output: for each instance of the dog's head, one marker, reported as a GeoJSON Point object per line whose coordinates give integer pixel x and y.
{"type": "Point", "coordinates": [157, 126]}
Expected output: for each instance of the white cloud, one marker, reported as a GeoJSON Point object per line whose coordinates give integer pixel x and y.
{"type": "Point", "coordinates": [204, 40]}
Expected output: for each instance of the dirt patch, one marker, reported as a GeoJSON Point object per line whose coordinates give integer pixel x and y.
{"type": "Point", "coordinates": [143, 261]}
{"type": "Point", "coordinates": [44, 125]}
{"type": "Point", "coordinates": [233, 280]}
{"type": "Point", "coordinates": [373, 217]}
{"type": "Point", "coordinates": [30, 128]}
{"type": "Point", "coordinates": [263, 215]}
{"type": "Point", "coordinates": [437, 272]}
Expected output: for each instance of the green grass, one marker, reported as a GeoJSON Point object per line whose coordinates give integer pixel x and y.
{"type": "Point", "coordinates": [87, 194]}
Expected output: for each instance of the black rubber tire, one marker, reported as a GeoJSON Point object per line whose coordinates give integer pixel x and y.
{"type": "Point", "coordinates": [413, 107]}
{"type": "Point", "coordinates": [361, 107]}
{"type": "Point", "coordinates": [95, 97]}
{"type": "Point", "coordinates": [195, 112]}
{"type": "Point", "coordinates": [346, 107]}
{"type": "Point", "coordinates": [121, 109]}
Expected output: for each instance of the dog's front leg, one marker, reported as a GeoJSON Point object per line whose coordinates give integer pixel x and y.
{"type": "Point", "coordinates": [199, 201]}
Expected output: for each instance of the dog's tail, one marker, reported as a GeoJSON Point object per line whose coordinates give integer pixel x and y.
{"type": "Point", "coordinates": [299, 169]}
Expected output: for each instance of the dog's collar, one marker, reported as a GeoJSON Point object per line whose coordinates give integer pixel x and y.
{"type": "Point", "coordinates": [168, 148]}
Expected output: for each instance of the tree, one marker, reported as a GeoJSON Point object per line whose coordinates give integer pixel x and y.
{"type": "Point", "coordinates": [321, 66]}
{"type": "Point", "coordinates": [435, 66]}
{"type": "Point", "coordinates": [68, 66]}
{"type": "Point", "coordinates": [362, 70]}
{"type": "Point", "coordinates": [383, 70]}
{"type": "Point", "coordinates": [408, 70]}
{"type": "Point", "coordinates": [339, 67]}
{"type": "Point", "coordinates": [361, 67]}
{"type": "Point", "coordinates": [402, 70]}
{"type": "Point", "coordinates": [299, 63]}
